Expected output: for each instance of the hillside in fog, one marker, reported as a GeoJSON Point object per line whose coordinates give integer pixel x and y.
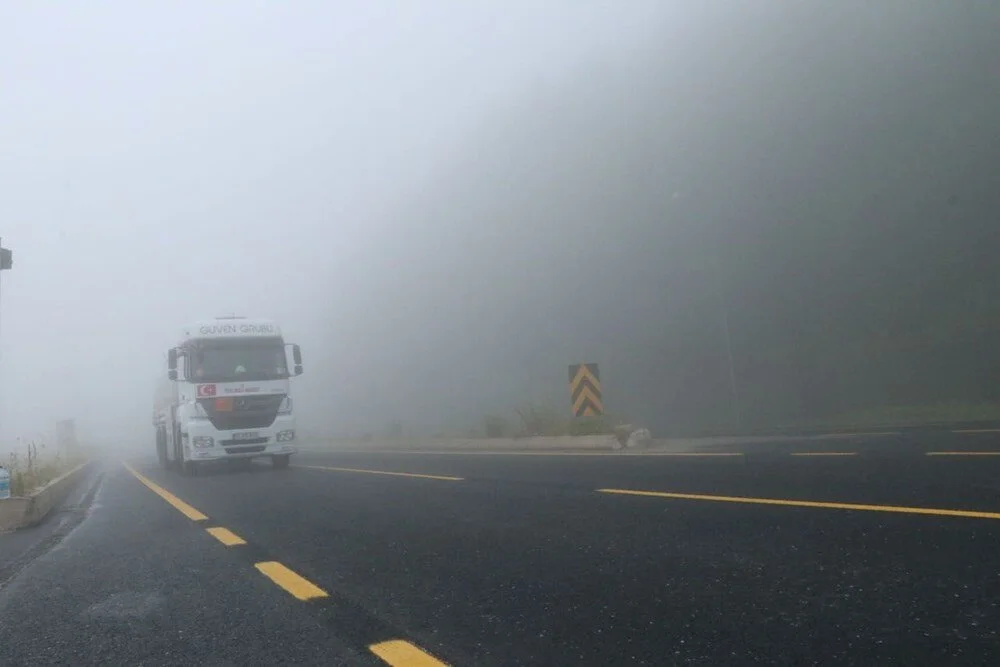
{"type": "Point", "coordinates": [829, 177]}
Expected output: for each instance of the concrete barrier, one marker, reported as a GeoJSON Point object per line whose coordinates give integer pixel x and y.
{"type": "Point", "coordinates": [20, 512]}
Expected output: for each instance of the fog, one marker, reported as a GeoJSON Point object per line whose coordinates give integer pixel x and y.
{"type": "Point", "coordinates": [445, 204]}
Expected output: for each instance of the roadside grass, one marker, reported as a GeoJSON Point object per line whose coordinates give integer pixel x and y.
{"type": "Point", "coordinates": [915, 415]}
{"type": "Point", "coordinates": [536, 420]}
{"type": "Point", "coordinates": [29, 471]}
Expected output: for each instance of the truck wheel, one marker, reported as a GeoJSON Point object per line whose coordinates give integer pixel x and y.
{"type": "Point", "coordinates": [280, 462]}
{"type": "Point", "coordinates": [178, 462]}
{"type": "Point", "coordinates": [161, 447]}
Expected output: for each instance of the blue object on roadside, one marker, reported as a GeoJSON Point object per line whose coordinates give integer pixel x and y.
{"type": "Point", "coordinates": [4, 483]}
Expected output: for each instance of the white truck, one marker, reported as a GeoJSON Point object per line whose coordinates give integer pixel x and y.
{"type": "Point", "coordinates": [226, 395]}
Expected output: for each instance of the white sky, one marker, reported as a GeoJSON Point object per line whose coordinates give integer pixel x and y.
{"type": "Point", "coordinates": [162, 162]}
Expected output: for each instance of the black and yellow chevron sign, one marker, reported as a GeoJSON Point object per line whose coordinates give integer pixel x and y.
{"type": "Point", "coordinates": [585, 390]}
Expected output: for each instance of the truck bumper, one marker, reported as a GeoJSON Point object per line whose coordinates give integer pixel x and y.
{"type": "Point", "coordinates": [203, 442]}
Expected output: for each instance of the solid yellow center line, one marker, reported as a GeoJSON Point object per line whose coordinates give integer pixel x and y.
{"type": "Point", "coordinates": [297, 585]}
{"type": "Point", "coordinates": [401, 653]}
{"type": "Point", "coordinates": [824, 453]}
{"type": "Point", "coordinates": [869, 434]}
{"type": "Point", "coordinates": [226, 536]}
{"type": "Point", "coordinates": [179, 505]}
{"type": "Point", "coordinates": [618, 453]}
{"type": "Point", "coordinates": [808, 503]}
{"type": "Point", "coordinates": [688, 454]}
{"type": "Point", "coordinates": [386, 472]}
{"type": "Point", "coordinates": [963, 453]}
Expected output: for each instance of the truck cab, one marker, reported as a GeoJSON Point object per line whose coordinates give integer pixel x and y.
{"type": "Point", "coordinates": [227, 395]}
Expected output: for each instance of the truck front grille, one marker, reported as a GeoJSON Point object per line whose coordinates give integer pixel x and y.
{"type": "Point", "coordinates": [237, 443]}
{"type": "Point", "coordinates": [245, 450]}
{"type": "Point", "coordinates": [247, 411]}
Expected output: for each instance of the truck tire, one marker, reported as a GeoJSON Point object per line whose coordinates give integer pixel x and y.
{"type": "Point", "coordinates": [178, 462]}
{"type": "Point", "coordinates": [280, 461]}
{"type": "Point", "coordinates": [161, 447]}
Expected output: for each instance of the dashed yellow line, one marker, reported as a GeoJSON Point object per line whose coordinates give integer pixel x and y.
{"type": "Point", "coordinates": [300, 587]}
{"type": "Point", "coordinates": [226, 536]}
{"type": "Point", "coordinates": [181, 506]}
{"type": "Point", "coordinates": [446, 478]}
{"type": "Point", "coordinates": [395, 652]}
{"type": "Point", "coordinates": [824, 453]}
{"type": "Point", "coordinates": [808, 503]}
{"type": "Point", "coordinates": [963, 453]}
{"type": "Point", "coordinates": [399, 653]}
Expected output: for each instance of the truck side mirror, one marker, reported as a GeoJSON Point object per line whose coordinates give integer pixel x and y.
{"type": "Point", "coordinates": [172, 364]}
{"type": "Point", "coordinates": [297, 357]}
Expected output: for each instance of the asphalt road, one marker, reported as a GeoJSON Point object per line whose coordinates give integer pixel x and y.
{"type": "Point", "coordinates": [870, 555]}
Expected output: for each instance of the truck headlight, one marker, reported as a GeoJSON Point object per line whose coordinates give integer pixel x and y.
{"type": "Point", "coordinates": [285, 436]}
{"type": "Point", "coordinates": [286, 406]}
{"type": "Point", "coordinates": [203, 441]}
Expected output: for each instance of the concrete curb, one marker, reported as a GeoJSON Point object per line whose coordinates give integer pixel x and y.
{"type": "Point", "coordinates": [24, 511]}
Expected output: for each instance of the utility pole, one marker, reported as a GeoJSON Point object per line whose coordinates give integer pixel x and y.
{"type": "Point", "coordinates": [720, 281]}
{"type": "Point", "coordinates": [6, 258]}
{"type": "Point", "coordinates": [6, 263]}
{"type": "Point", "coordinates": [737, 411]}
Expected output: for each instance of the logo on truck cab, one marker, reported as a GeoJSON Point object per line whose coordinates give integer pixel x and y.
{"type": "Point", "coordinates": [206, 390]}
{"type": "Point", "coordinates": [244, 329]}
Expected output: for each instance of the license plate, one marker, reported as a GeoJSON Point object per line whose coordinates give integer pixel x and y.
{"type": "Point", "coordinates": [245, 435]}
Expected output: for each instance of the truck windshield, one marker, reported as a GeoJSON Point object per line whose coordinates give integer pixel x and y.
{"type": "Point", "coordinates": [237, 361]}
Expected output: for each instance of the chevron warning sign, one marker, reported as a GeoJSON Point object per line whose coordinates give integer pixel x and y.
{"type": "Point", "coordinates": [585, 390]}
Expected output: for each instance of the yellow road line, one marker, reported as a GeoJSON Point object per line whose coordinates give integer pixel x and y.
{"type": "Point", "coordinates": [978, 430]}
{"type": "Point", "coordinates": [808, 503]}
{"type": "Point", "coordinates": [297, 585]}
{"type": "Point", "coordinates": [401, 653]}
{"type": "Point", "coordinates": [179, 505]}
{"type": "Point", "coordinates": [226, 536]}
{"type": "Point", "coordinates": [617, 453]}
{"type": "Point", "coordinates": [963, 454]}
{"type": "Point", "coordinates": [862, 434]}
{"type": "Point", "coordinates": [824, 453]}
{"type": "Point", "coordinates": [689, 454]}
{"type": "Point", "coordinates": [386, 472]}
